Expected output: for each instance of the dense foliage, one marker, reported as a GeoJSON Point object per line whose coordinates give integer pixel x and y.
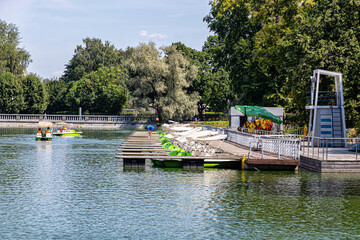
{"type": "Point", "coordinates": [36, 96]}
{"type": "Point", "coordinates": [212, 81]}
{"type": "Point", "coordinates": [91, 57]}
{"type": "Point", "coordinates": [101, 91]}
{"type": "Point", "coordinates": [11, 93]}
{"type": "Point", "coordinates": [161, 83]}
{"type": "Point", "coordinates": [13, 59]}
{"type": "Point", "coordinates": [270, 49]}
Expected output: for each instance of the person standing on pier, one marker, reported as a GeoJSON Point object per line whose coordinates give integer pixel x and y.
{"type": "Point", "coordinates": [150, 128]}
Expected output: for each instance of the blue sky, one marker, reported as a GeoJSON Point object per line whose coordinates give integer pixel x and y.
{"type": "Point", "coordinates": [51, 29]}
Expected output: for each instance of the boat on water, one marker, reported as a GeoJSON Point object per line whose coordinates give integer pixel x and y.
{"type": "Point", "coordinates": [43, 137]}
{"type": "Point", "coordinates": [67, 133]}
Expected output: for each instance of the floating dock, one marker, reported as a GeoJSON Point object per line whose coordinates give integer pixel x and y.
{"type": "Point", "coordinates": [138, 147]}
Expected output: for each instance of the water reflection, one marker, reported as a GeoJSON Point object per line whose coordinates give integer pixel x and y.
{"type": "Point", "coordinates": [75, 188]}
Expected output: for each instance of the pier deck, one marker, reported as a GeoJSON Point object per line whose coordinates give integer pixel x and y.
{"type": "Point", "coordinates": [139, 147]}
{"type": "Point", "coordinates": [332, 160]}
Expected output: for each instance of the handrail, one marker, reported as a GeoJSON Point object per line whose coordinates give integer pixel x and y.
{"type": "Point", "coordinates": [282, 145]}
{"type": "Point", "coordinates": [75, 118]}
{"type": "Point", "coordinates": [320, 148]}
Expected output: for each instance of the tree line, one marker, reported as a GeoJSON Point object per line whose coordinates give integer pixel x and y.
{"type": "Point", "coordinates": [260, 53]}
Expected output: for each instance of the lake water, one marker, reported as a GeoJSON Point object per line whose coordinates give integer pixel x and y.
{"type": "Point", "coordinates": [74, 188]}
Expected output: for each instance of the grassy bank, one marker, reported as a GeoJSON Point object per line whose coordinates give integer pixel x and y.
{"type": "Point", "coordinates": [222, 124]}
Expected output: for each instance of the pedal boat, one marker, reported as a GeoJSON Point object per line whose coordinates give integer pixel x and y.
{"type": "Point", "coordinates": [68, 133]}
{"type": "Point", "coordinates": [43, 137]}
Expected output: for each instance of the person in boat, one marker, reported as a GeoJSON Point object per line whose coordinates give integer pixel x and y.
{"type": "Point", "coordinates": [48, 130]}
{"type": "Point", "coordinates": [150, 128]}
{"type": "Point", "coordinates": [39, 131]}
{"type": "Point", "coordinates": [64, 129]}
{"type": "Point", "coordinates": [59, 130]}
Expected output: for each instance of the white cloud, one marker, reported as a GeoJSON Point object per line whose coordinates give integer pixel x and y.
{"type": "Point", "coordinates": [146, 34]}
{"type": "Point", "coordinates": [143, 33]}
{"type": "Point", "coordinates": [157, 35]}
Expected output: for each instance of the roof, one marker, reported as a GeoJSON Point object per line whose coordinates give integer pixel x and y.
{"type": "Point", "coordinates": [257, 111]}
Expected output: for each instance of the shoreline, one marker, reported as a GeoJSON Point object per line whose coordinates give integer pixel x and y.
{"type": "Point", "coordinates": [45, 124]}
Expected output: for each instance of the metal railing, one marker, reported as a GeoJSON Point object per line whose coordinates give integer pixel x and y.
{"type": "Point", "coordinates": [75, 118]}
{"type": "Point", "coordinates": [287, 145]}
{"type": "Point", "coordinates": [320, 147]}
{"type": "Point", "coordinates": [264, 141]}
{"type": "Point", "coordinates": [281, 145]}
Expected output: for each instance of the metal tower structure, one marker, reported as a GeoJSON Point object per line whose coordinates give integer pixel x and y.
{"type": "Point", "coordinates": [327, 114]}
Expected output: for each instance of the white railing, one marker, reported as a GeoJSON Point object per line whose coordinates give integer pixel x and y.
{"type": "Point", "coordinates": [320, 147]}
{"type": "Point", "coordinates": [281, 147]}
{"type": "Point", "coordinates": [247, 140]}
{"type": "Point", "coordinates": [265, 141]}
{"type": "Point", "coordinates": [75, 118]}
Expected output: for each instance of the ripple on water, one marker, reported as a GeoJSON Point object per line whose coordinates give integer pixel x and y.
{"type": "Point", "coordinates": [75, 188]}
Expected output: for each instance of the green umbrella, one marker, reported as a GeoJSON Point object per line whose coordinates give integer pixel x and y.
{"type": "Point", "coordinates": [257, 111]}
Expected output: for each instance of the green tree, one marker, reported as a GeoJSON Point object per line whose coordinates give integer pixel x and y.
{"type": "Point", "coordinates": [178, 104]}
{"type": "Point", "coordinates": [162, 82]}
{"type": "Point", "coordinates": [101, 91]}
{"type": "Point", "coordinates": [12, 58]}
{"type": "Point", "coordinates": [11, 93]}
{"type": "Point", "coordinates": [58, 90]}
{"type": "Point", "coordinates": [327, 37]}
{"type": "Point", "coordinates": [36, 96]}
{"type": "Point", "coordinates": [212, 81]}
{"type": "Point", "coordinates": [91, 57]}
{"type": "Point", "coordinates": [250, 32]}
{"type": "Point", "coordinates": [272, 47]}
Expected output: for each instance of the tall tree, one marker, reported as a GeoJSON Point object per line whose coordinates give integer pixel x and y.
{"type": "Point", "coordinates": [212, 81]}
{"type": "Point", "coordinates": [162, 82]}
{"type": "Point", "coordinates": [90, 57]}
{"type": "Point", "coordinates": [250, 31]}
{"type": "Point", "coordinates": [11, 93]}
{"type": "Point", "coordinates": [327, 37]}
{"type": "Point", "coordinates": [58, 90]}
{"type": "Point", "coordinates": [36, 96]}
{"type": "Point", "coordinates": [101, 91]}
{"type": "Point", "coordinates": [177, 103]}
{"type": "Point", "coordinates": [12, 58]}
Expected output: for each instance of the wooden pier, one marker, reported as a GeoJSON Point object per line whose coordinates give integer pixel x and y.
{"type": "Point", "coordinates": [138, 147]}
